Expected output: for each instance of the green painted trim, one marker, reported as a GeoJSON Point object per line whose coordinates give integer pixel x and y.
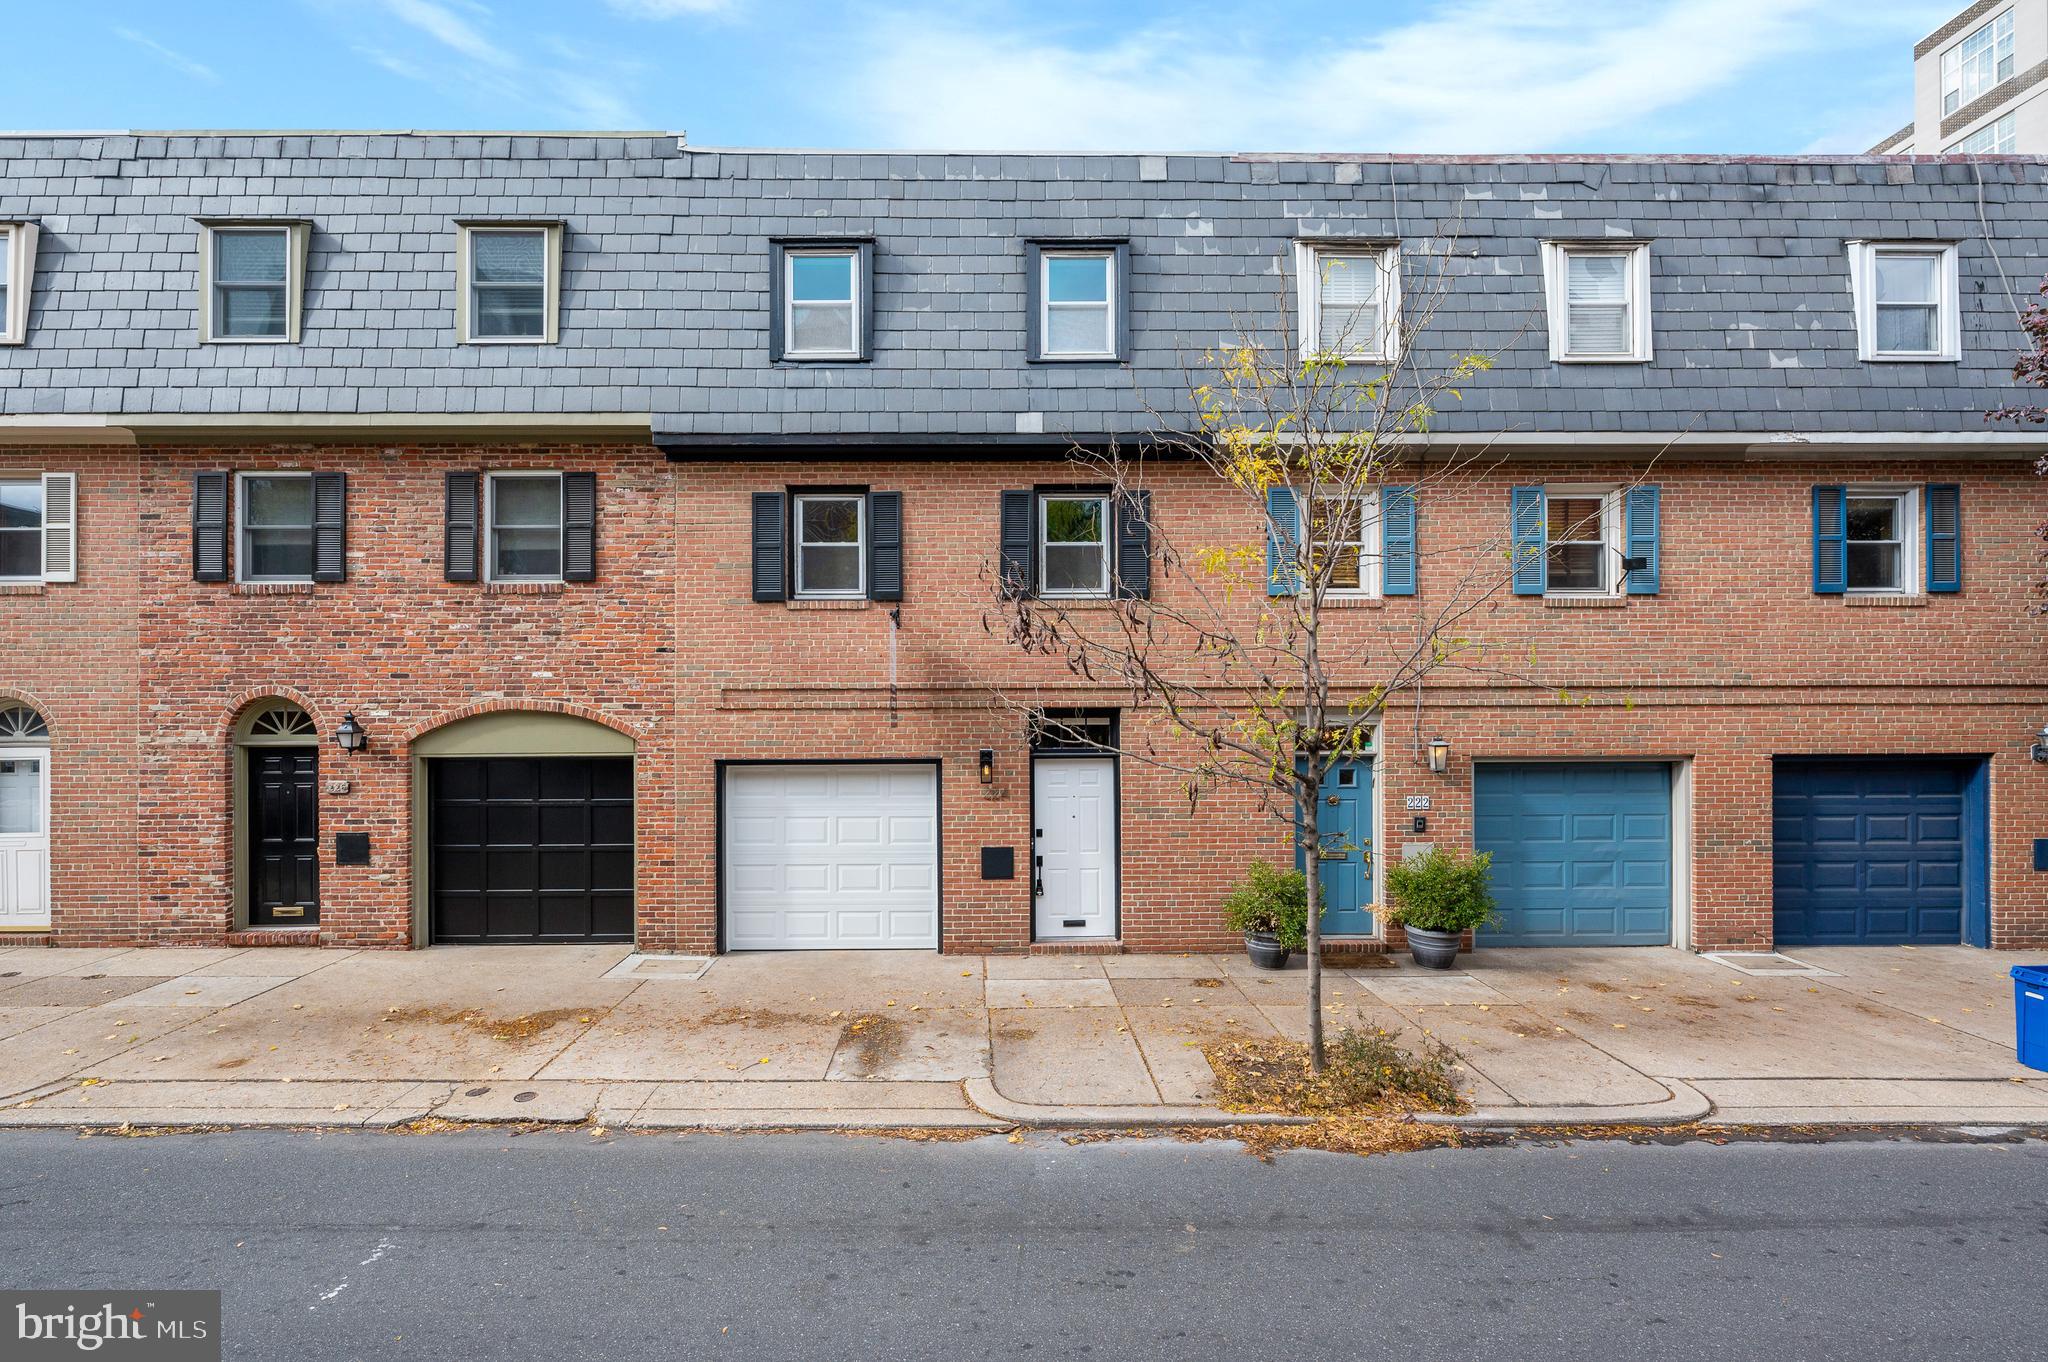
{"type": "Point", "coordinates": [238, 833]}
{"type": "Point", "coordinates": [522, 733]}
{"type": "Point", "coordinates": [419, 853]}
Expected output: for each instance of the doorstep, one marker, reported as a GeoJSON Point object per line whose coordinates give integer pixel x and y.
{"type": "Point", "coordinates": [1092, 945]}
{"type": "Point", "coordinates": [274, 936]}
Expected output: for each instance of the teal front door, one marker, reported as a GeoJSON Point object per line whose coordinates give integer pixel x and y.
{"type": "Point", "coordinates": [1344, 859]}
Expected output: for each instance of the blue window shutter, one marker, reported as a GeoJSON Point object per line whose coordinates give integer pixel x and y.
{"type": "Point", "coordinates": [1640, 526]}
{"type": "Point", "coordinates": [1283, 575]}
{"type": "Point", "coordinates": [1530, 537]}
{"type": "Point", "coordinates": [1944, 537]}
{"type": "Point", "coordinates": [1830, 540]}
{"type": "Point", "coordinates": [1397, 541]}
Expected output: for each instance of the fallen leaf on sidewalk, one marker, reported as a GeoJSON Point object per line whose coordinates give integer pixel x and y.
{"type": "Point", "coordinates": [1621, 1026]}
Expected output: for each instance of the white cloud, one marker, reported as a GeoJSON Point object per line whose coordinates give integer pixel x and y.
{"type": "Point", "coordinates": [195, 69]}
{"type": "Point", "coordinates": [668, 9]}
{"type": "Point", "coordinates": [1478, 75]}
{"type": "Point", "coordinates": [451, 30]}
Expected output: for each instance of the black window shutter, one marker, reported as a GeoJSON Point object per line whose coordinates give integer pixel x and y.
{"type": "Point", "coordinates": [1018, 559]}
{"type": "Point", "coordinates": [459, 546]}
{"type": "Point", "coordinates": [770, 563]}
{"type": "Point", "coordinates": [1134, 545]}
{"type": "Point", "coordinates": [209, 527]}
{"type": "Point", "coordinates": [330, 527]}
{"type": "Point", "coordinates": [579, 527]}
{"type": "Point", "coordinates": [885, 546]}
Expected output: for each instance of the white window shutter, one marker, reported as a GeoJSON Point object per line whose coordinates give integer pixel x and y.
{"type": "Point", "coordinates": [60, 527]}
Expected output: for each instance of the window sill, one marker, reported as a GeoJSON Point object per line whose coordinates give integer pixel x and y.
{"type": "Point", "coordinates": [1601, 359]}
{"type": "Point", "coordinates": [22, 588]}
{"type": "Point", "coordinates": [829, 603]}
{"type": "Point", "coordinates": [1898, 602]}
{"type": "Point", "coordinates": [524, 588]}
{"type": "Point", "coordinates": [1354, 602]}
{"type": "Point", "coordinates": [273, 588]}
{"type": "Point", "coordinates": [1584, 602]}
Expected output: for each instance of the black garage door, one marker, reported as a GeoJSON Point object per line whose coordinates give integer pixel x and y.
{"type": "Point", "coordinates": [531, 849]}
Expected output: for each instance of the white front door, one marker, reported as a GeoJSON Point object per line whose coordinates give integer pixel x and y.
{"type": "Point", "coordinates": [1074, 850]}
{"type": "Point", "coordinates": [24, 837]}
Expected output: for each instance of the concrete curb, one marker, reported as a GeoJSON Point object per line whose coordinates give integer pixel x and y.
{"type": "Point", "coordinates": [982, 1093]}
{"type": "Point", "coordinates": [1685, 1105]}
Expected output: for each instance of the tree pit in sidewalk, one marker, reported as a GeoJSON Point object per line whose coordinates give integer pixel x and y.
{"type": "Point", "coordinates": [1362, 1102]}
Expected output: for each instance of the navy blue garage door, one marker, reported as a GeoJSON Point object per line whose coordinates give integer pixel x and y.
{"type": "Point", "coordinates": [1581, 852]}
{"type": "Point", "coordinates": [1869, 851]}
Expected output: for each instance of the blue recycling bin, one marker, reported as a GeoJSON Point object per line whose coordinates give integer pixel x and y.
{"type": "Point", "coordinates": [2030, 1004]}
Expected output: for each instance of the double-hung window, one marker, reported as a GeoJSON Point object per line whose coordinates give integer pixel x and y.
{"type": "Point", "coordinates": [1983, 58]}
{"type": "Point", "coordinates": [831, 557]}
{"type": "Point", "coordinates": [510, 283]}
{"type": "Point", "coordinates": [1350, 300]}
{"type": "Point", "coordinates": [1878, 554]}
{"type": "Point", "coordinates": [21, 530]}
{"type": "Point", "coordinates": [276, 538]}
{"type": "Point", "coordinates": [17, 273]}
{"type": "Point", "coordinates": [1344, 532]}
{"type": "Point", "coordinates": [1080, 294]}
{"type": "Point", "coordinates": [524, 514]}
{"type": "Point", "coordinates": [821, 301]}
{"type": "Point", "coordinates": [1598, 297]}
{"type": "Point", "coordinates": [252, 280]}
{"type": "Point", "coordinates": [1583, 532]}
{"type": "Point", "coordinates": [1073, 544]}
{"type": "Point", "coordinates": [1906, 299]}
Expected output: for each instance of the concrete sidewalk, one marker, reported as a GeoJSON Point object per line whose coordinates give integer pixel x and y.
{"type": "Point", "coordinates": [871, 1039]}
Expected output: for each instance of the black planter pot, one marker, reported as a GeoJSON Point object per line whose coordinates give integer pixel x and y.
{"type": "Point", "coordinates": [1265, 950]}
{"type": "Point", "coordinates": [1433, 950]}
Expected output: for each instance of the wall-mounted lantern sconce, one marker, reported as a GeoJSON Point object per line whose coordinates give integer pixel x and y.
{"type": "Point", "coordinates": [2039, 751]}
{"type": "Point", "coordinates": [351, 737]}
{"type": "Point", "coordinates": [985, 765]}
{"type": "Point", "coordinates": [1439, 756]}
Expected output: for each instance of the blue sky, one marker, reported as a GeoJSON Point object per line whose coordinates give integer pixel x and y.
{"type": "Point", "coordinates": [1449, 76]}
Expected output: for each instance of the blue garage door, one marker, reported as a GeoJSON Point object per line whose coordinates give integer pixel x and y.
{"type": "Point", "coordinates": [1868, 851]}
{"type": "Point", "coordinates": [1581, 852]}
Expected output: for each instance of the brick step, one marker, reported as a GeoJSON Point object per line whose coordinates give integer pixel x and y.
{"type": "Point", "coordinates": [1105, 947]}
{"type": "Point", "coordinates": [9, 940]}
{"type": "Point", "coordinates": [276, 936]}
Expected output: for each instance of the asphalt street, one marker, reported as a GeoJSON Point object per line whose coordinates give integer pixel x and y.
{"type": "Point", "coordinates": [489, 1245]}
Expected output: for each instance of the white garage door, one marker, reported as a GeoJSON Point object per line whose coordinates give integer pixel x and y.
{"type": "Point", "coordinates": [831, 857]}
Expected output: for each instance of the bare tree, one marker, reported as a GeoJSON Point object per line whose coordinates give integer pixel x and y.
{"type": "Point", "coordinates": [1324, 456]}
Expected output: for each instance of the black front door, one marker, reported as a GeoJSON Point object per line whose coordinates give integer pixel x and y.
{"type": "Point", "coordinates": [284, 859]}
{"type": "Point", "coordinates": [531, 849]}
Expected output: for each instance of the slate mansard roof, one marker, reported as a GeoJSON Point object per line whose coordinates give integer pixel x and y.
{"type": "Point", "coordinates": [665, 297]}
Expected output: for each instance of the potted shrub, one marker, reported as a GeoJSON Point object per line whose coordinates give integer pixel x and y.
{"type": "Point", "coordinates": [1437, 898]}
{"type": "Point", "coordinates": [1270, 906]}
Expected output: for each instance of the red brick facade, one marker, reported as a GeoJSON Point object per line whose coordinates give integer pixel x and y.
{"type": "Point", "coordinates": [142, 673]}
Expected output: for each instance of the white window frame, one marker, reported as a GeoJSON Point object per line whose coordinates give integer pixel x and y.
{"type": "Point", "coordinates": [20, 279]}
{"type": "Point", "coordinates": [1999, 137]}
{"type": "Point", "coordinates": [1556, 283]}
{"type": "Point", "coordinates": [1371, 562]}
{"type": "Point", "coordinates": [1385, 331]}
{"type": "Point", "coordinates": [465, 282]}
{"type": "Point", "coordinates": [39, 482]}
{"type": "Point", "coordinates": [491, 481]}
{"type": "Point", "coordinates": [856, 304]}
{"type": "Point", "coordinates": [1948, 325]}
{"type": "Point", "coordinates": [1911, 534]}
{"type": "Point", "coordinates": [859, 590]}
{"type": "Point", "coordinates": [1954, 91]}
{"type": "Point", "coordinates": [242, 526]}
{"type": "Point", "coordinates": [296, 236]}
{"type": "Point", "coordinates": [1614, 582]}
{"type": "Point", "coordinates": [1103, 500]}
{"type": "Point", "coordinates": [1046, 305]}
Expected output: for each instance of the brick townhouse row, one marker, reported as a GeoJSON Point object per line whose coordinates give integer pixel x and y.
{"type": "Point", "coordinates": [413, 538]}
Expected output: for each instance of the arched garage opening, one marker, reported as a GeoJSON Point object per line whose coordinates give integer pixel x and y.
{"type": "Point", "coordinates": [522, 830]}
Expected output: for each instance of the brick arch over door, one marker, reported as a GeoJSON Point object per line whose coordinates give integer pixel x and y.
{"type": "Point", "coordinates": [561, 707]}
{"type": "Point", "coordinates": [226, 725]}
{"type": "Point", "coordinates": [10, 698]}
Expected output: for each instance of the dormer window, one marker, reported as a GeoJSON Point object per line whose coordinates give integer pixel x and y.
{"type": "Point", "coordinates": [1599, 301]}
{"type": "Point", "coordinates": [1906, 298]}
{"type": "Point", "coordinates": [511, 279]}
{"type": "Point", "coordinates": [252, 280]}
{"type": "Point", "coordinates": [17, 275]}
